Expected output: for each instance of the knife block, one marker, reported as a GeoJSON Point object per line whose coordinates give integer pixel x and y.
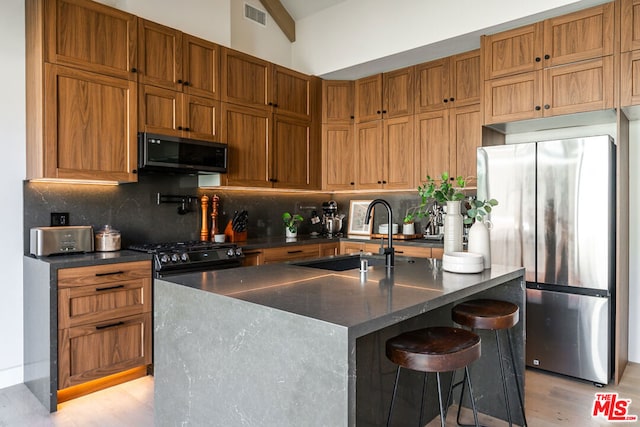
{"type": "Point", "coordinates": [234, 236]}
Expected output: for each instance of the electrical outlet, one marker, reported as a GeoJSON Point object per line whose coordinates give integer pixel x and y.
{"type": "Point", "coordinates": [59, 218]}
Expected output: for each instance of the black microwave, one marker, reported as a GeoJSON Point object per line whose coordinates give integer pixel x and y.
{"type": "Point", "coordinates": [180, 155]}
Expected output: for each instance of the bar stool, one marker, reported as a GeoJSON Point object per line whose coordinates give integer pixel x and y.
{"type": "Point", "coordinates": [435, 349]}
{"type": "Point", "coordinates": [492, 315]}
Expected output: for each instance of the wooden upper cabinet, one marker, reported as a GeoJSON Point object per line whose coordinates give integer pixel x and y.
{"type": "Point", "coordinates": [513, 98]}
{"type": "Point", "coordinates": [384, 95]}
{"type": "Point", "coordinates": [432, 144]}
{"type": "Point", "coordinates": [339, 157]}
{"type": "Point", "coordinates": [244, 79]}
{"type": "Point", "coordinates": [630, 25]}
{"type": "Point", "coordinates": [337, 101]}
{"type": "Point", "coordinates": [578, 36]}
{"type": "Point", "coordinates": [630, 78]}
{"type": "Point", "coordinates": [292, 93]}
{"type": "Point", "coordinates": [368, 92]}
{"type": "Point", "coordinates": [160, 49]}
{"type": "Point", "coordinates": [294, 160]}
{"type": "Point", "coordinates": [448, 82]}
{"type": "Point", "coordinates": [465, 133]}
{"type": "Point", "coordinates": [90, 131]}
{"type": "Point", "coordinates": [513, 52]}
{"type": "Point", "coordinates": [202, 118]}
{"type": "Point", "coordinates": [201, 67]}
{"type": "Point", "coordinates": [90, 36]}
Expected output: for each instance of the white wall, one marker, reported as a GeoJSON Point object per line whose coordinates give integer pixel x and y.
{"type": "Point", "coordinates": [12, 172]}
{"type": "Point", "coordinates": [634, 242]}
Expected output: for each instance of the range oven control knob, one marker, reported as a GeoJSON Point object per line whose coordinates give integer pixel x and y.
{"type": "Point", "coordinates": [230, 253]}
{"type": "Point", "coordinates": [184, 257]}
{"type": "Point", "coordinates": [238, 251]}
{"type": "Point", "coordinates": [175, 258]}
{"type": "Point", "coordinates": [164, 258]}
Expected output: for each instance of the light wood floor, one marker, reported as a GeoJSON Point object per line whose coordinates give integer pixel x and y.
{"type": "Point", "coordinates": [550, 400]}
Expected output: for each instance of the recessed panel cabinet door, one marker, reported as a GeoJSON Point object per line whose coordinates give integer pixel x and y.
{"type": "Point", "coordinates": [368, 92]}
{"type": "Point", "coordinates": [370, 155]}
{"type": "Point", "coordinates": [160, 48]}
{"type": "Point", "coordinates": [630, 25]}
{"type": "Point", "coordinates": [432, 85]}
{"type": "Point", "coordinates": [202, 118]}
{"type": "Point", "coordinates": [630, 78]}
{"type": "Point", "coordinates": [291, 155]}
{"type": "Point", "coordinates": [513, 52]}
{"type": "Point", "coordinates": [91, 127]}
{"type": "Point", "coordinates": [337, 101]}
{"type": "Point", "coordinates": [201, 67]}
{"type": "Point", "coordinates": [91, 36]}
{"type": "Point", "coordinates": [398, 139]}
{"type": "Point", "coordinates": [247, 134]}
{"type": "Point", "coordinates": [160, 110]}
{"type": "Point", "coordinates": [432, 144]}
{"type": "Point", "coordinates": [292, 93]}
{"type": "Point", "coordinates": [398, 93]}
{"type": "Point", "coordinates": [513, 98]}
{"type": "Point", "coordinates": [244, 79]}
{"type": "Point", "coordinates": [340, 161]}
{"type": "Point", "coordinates": [465, 126]}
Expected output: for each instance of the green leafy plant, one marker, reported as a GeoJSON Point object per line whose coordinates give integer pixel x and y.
{"type": "Point", "coordinates": [446, 192]}
{"type": "Point", "coordinates": [291, 221]}
{"type": "Point", "coordinates": [479, 209]}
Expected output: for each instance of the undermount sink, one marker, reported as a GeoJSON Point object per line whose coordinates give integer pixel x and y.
{"type": "Point", "coordinates": [341, 263]}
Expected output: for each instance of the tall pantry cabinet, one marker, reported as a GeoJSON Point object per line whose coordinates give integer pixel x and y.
{"type": "Point", "coordinates": [82, 94]}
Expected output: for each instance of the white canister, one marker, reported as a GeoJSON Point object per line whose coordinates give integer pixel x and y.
{"type": "Point", "coordinates": [479, 241]}
{"type": "Point", "coordinates": [107, 239]}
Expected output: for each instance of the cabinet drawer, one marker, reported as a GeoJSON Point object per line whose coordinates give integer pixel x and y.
{"type": "Point", "coordinates": [93, 351]}
{"type": "Point", "coordinates": [108, 273]}
{"type": "Point", "coordinates": [289, 253]}
{"type": "Point", "coordinates": [103, 302]}
{"type": "Point", "coordinates": [412, 251]}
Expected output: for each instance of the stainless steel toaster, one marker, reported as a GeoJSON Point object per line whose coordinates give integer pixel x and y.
{"type": "Point", "coordinates": [61, 240]}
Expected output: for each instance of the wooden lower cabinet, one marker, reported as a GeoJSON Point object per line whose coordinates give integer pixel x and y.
{"type": "Point", "coordinates": [104, 321]}
{"type": "Point", "coordinates": [398, 249]}
{"type": "Point", "coordinates": [252, 257]}
{"type": "Point", "coordinates": [329, 249]}
{"type": "Point", "coordinates": [290, 253]}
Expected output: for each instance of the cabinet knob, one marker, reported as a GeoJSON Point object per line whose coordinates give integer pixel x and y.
{"type": "Point", "coordinates": [452, 99]}
{"type": "Point", "coordinates": [384, 182]}
{"type": "Point", "coordinates": [378, 112]}
{"type": "Point", "coordinates": [270, 103]}
{"type": "Point", "coordinates": [186, 83]}
{"type": "Point", "coordinates": [353, 117]}
{"type": "Point", "coordinates": [384, 111]}
{"type": "Point", "coordinates": [379, 182]}
{"type": "Point", "coordinates": [134, 70]}
{"type": "Point", "coordinates": [179, 127]}
{"type": "Point", "coordinates": [187, 129]}
{"type": "Point", "coordinates": [547, 106]}
{"type": "Point", "coordinates": [538, 108]}
{"type": "Point", "coordinates": [134, 171]}
{"type": "Point", "coordinates": [547, 56]}
{"type": "Point", "coordinates": [445, 100]}
{"type": "Point", "coordinates": [352, 183]}
{"type": "Point", "coordinates": [180, 81]}
{"type": "Point", "coordinates": [275, 105]}
{"type": "Point", "coordinates": [538, 59]}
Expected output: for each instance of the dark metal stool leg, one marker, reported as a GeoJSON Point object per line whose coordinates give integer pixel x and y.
{"type": "Point", "coordinates": [464, 379]}
{"type": "Point", "coordinates": [442, 415]}
{"type": "Point", "coordinates": [424, 388]}
{"type": "Point", "coordinates": [393, 396]}
{"type": "Point", "coordinates": [515, 374]}
{"type": "Point", "coordinates": [504, 379]}
{"type": "Point", "coordinates": [473, 401]}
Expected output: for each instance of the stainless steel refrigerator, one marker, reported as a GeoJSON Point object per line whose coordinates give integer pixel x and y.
{"type": "Point", "coordinates": [556, 218]}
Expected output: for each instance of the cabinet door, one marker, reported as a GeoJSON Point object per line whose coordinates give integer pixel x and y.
{"type": "Point", "coordinates": [160, 110]}
{"type": "Point", "coordinates": [244, 79]}
{"type": "Point", "coordinates": [464, 79]}
{"type": "Point", "coordinates": [246, 132]}
{"type": "Point", "coordinates": [630, 78]}
{"type": "Point", "coordinates": [201, 118]}
{"type": "Point", "coordinates": [432, 85]}
{"type": "Point", "coordinates": [329, 249]}
{"type": "Point", "coordinates": [399, 169]}
{"type": "Point", "coordinates": [337, 101]}
{"type": "Point", "coordinates": [513, 52]}
{"type": "Point", "coordinates": [630, 25]}
{"type": "Point", "coordinates": [91, 126]}
{"type": "Point", "coordinates": [91, 36]}
{"type": "Point", "coordinates": [347, 248]}
{"type": "Point", "coordinates": [577, 36]}
{"type": "Point", "coordinates": [293, 164]}
{"type": "Point", "coordinates": [412, 251]}
{"type": "Point", "coordinates": [252, 258]}
{"type": "Point", "coordinates": [584, 86]}
{"type": "Point", "coordinates": [513, 98]}
{"type": "Point", "coordinates": [368, 98]}
{"type": "Point", "coordinates": [432, 144]}
{"type": "Point", "coordinates": [398, 93]}
{"type": "Point", "coordinates": [370, 155]}
{"type": "Point", "coordinates": [201, 68]}
{"type": "Point", "coordinates": [292, 93]}
{"type": "Point", "coordinates": [93, 351]}
{"type": "Point", "coordinates": [160, 62]}
{"type": "Point", "coordinates": [290, 253]}
{"type": "Point", "coordinates": [340, 160]}
{"type": "Point", "coordinates": [466, 136]}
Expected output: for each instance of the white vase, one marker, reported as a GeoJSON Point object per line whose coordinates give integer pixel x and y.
{"type": "Point", "coordinates": [479, 241]}
{"type": "Point", "coordinates": [408, 228]}
{"type": "Point", "coordinates": [453, 228]}
{"type": "Point", "coordinates": [290, 233]}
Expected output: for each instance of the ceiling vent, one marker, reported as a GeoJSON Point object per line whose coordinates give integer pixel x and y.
{"type": "Point", "coordinates": [255, 15]}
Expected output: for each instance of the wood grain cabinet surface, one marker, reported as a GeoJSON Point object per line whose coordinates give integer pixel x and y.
{"type": "Point", "coordinates": [384, 95]}
{"type": "Point", "coordinates": [339, 160]}
{"type": "Point", "coordinates": [104, 321]}
{"type": "Point", "coordinates": [338, 101]}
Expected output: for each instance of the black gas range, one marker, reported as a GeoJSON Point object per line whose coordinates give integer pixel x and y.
{"type": "Point", "coordinates": [191, 256]}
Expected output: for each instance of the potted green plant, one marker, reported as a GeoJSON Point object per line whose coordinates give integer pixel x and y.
{"type": "Point", "coordinates": [451, 195]}
{"type": "Point", "coordinates": [291, 223]}
{"type": "Point", "coordinates": [479, 210]}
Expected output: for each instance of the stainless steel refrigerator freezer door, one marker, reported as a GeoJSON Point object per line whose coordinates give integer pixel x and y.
{"type": "Point", "coordinates": [569, 334]}
{"type": "Point", "coordinates": [574, 212]}
{"type": "Point", "coordinates": [507, 173]}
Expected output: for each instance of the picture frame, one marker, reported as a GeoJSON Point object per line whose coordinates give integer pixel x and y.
{"type": "Point", "coordinates": [357, 212]}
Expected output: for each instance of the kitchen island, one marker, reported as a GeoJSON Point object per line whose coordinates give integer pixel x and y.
{"type": "Point", "coordinates": [290, 345]}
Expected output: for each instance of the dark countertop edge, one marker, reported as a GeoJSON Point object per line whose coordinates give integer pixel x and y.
{"type": "Point", "coordinates": [279, 241]}
{"type": "Point", "coordinates": [91, 258]}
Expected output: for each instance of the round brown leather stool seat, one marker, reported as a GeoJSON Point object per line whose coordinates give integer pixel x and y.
{"type": "Point", "coordinates": [435, 349]}
{"type": "Point", "coordinates": [495, 315]}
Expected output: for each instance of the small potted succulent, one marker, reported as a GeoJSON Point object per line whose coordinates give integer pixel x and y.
{"type": "Point", "coordinates": [291, 223]}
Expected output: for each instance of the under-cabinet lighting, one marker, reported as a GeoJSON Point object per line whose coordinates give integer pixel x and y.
{"type": "Point", "coordinates": [74, 181]}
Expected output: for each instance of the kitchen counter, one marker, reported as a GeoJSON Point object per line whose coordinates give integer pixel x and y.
{"type": "Point", "coordinates": [279, 344]}
{"type": "Point", "coordinates": [278, 241]}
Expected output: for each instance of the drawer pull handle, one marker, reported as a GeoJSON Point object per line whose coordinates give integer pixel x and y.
{"type": "Point", "coordinates": [109, 274]}
{"type": "Point", "coordinates": [108, 288]}
{"type": "Point", "coordinates": [111, 325]}
{"type": "Point", "coordinates": [295, 252]}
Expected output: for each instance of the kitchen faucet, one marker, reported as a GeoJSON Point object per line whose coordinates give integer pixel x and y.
{"type": "Point", "coordinates": [388, 251]}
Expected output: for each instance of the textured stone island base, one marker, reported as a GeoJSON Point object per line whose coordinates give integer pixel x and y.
{"type": "Point", "coordinates": [220, 361]}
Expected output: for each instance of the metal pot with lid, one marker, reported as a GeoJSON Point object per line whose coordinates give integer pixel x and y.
{"type": "Point", "coordinates": [107, 239]}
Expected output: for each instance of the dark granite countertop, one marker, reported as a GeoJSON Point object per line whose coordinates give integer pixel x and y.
{"type": "Point", "coordinates": [92, 258]}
